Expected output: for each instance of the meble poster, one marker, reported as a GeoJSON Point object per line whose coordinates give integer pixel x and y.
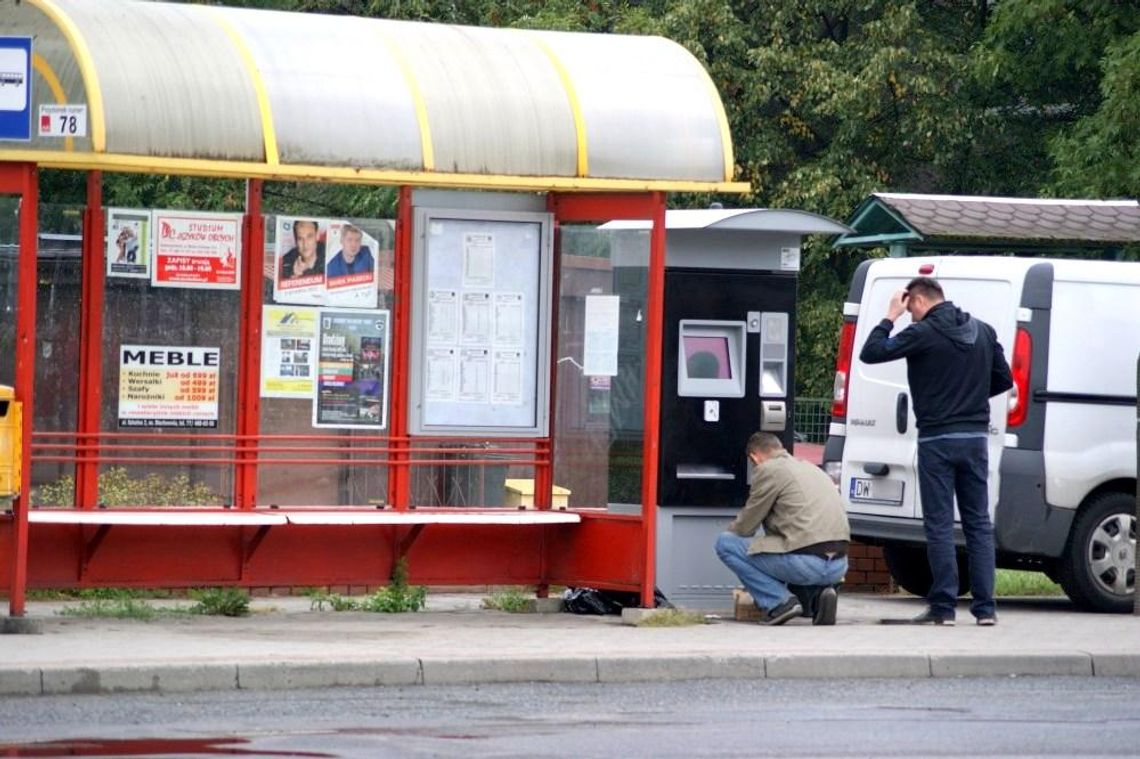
{"type": "Point", "coordinates": [197, 249]}
{"type": "Point", "coordinates": [168, 386]}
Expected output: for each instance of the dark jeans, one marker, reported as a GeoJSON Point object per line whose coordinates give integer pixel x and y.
{"type": "Point", "coordinates": [949, 467]}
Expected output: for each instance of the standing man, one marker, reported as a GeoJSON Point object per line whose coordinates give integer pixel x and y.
{"type": "Point", "coordinates": [803, 539]}
{"type": "Point", "coordinates": [954, 365]}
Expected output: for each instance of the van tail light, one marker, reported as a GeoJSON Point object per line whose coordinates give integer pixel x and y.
{"type": "Point", "coordinates": [1019, 394]}
{"type": "Point", "coordinates": [843, 370]}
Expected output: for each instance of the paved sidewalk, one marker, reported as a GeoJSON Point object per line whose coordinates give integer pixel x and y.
{"type": "Point", "coordinates": [285, 644]}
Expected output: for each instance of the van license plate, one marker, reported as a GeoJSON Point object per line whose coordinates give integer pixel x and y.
{"type": "Point", "coordinates": [888, 492]}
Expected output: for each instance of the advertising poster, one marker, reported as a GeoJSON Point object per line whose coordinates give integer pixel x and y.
{"type": "Point", "coordinates": [128, 243]}
{"type": "Point", "coordinates": [352, 370]}
{"type": "Point", "coordinates": [168, 386]}
{"type": "Point", "coordinates": [299, 268]}
{"type": "Point", "coordinates": [288, 351]}
{"type": "Point", "coordinates": [197, 249]}
{"type": "Point", "coordinates": [351, 272]}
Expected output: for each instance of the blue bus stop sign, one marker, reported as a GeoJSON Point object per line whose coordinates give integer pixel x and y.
{"type": "Point", "coordinates": [15, 88]}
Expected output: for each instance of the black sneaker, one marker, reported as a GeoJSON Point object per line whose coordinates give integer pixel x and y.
{"type": "Point", "coordinates": [787, 609]}
{"type": "Point", "coordinates": [825, 607]}
{"type": "Point", "coordinates": [928, 617]}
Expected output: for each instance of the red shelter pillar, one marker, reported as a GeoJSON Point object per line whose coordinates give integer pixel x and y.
{"type": "Point", "coordinates": [23, 179]}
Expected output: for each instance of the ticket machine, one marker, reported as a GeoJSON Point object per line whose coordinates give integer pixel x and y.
{"type": "Point", "coordinates": [728, 370]}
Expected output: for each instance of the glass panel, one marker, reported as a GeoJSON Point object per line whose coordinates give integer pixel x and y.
{"type": "Point", "coordinates": [327, 466]}
{"type": "Point", "coordinates": [137, 314]}
{"type": "Point", "coordinates": [9, 255]}
{"type": "Point", "coordinates": [599, 421]}
{"type": "Point", "coordinates": [59, 271]}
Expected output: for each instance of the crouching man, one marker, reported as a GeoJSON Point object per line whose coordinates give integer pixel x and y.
{"type": "Point", "coordinates": [799, 552]}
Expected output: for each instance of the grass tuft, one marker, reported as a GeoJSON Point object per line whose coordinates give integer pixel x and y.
{"type": "Point", "coordinates": [397, 597]}
{"type": "Point", "coordinates": [121, 608]}
{"type": "Point", "coordinates": [221, 602]}
{"type": "Point", "coordinates": [511, 600]}
{"type": "Point", "coordinates": [1014, 582]}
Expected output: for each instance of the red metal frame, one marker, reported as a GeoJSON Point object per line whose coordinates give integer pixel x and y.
{"type": "Point", "coordinates": [248, 417]}
{"type": "Point", "coordinates": [93, 276]}
{"type": "Point", "coordinates": [594, 208]}
{"type": "Point", "coordinates": [399, 477]}
{"type": "Point", "coordinates": [605, 550]}
{"type": "Point", "coordinates": [23, 179]}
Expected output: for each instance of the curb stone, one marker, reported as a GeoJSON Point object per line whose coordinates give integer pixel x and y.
{"type": "Point", "coordinates": [615, 669]}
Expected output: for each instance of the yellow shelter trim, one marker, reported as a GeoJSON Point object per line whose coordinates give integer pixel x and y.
{"type": "Point", "coordinates": [427, 149]}
{"type": "Point", "coordinates": [313, 173]}
{"type": "Point", "coordinates": [722, 122]}
{"type": "Point", "coordinates": [44, 69]}
{"type": "Point", "coordinates": [583, 163]}
{"type": "Point", "coordinates": [268, 129]}
{"type": "Point", "coordinates": [86, 65]}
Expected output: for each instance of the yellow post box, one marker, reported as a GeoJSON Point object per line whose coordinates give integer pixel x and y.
{"type": "Point", "coordinates": [11, 442]}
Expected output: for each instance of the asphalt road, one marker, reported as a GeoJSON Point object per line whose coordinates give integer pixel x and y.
{"type": "Point", "coordinates": [723, 718]}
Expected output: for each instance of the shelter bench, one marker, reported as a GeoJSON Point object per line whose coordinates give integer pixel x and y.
{"type": "Point", "coordinates": [266, 518]}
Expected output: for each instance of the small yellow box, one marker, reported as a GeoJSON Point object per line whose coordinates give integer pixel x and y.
{"type": "Point", "coordinates": [11, 442]}
{"type": "Point", "coordinates": [520, 495]}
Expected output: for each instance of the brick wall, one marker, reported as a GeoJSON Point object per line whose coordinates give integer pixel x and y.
{"type": "Point", "coordinates": [867, 570]}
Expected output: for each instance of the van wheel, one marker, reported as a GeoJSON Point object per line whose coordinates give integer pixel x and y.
{"type": "Point", "coordinates": [1098, 569]}
{"type": "Point", "coordinates": [910, 568]}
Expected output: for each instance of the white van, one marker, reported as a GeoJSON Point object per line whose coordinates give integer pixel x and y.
{"type": "Point", "coordinates": [1062, 441]}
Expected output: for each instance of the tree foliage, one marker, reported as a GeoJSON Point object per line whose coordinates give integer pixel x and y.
{"type": "Point", "coordinates": [829, 100]}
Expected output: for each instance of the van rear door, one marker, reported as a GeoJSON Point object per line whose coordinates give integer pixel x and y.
{"type": "Point", "coordinates": [878, 474]}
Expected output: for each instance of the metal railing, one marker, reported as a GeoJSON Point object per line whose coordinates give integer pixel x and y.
{"type": "Point", "coordinates": [811, 419]}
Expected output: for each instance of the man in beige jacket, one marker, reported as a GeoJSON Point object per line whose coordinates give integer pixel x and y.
{"type": "Point", "coordinates": [801, 536]}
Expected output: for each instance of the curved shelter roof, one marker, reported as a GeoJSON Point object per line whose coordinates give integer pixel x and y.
{"type": "Point", "coordinates": [208, 90]}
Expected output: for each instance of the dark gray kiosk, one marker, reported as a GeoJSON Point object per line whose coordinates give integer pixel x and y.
{"type": "Point", "coordinates": [728, 370]}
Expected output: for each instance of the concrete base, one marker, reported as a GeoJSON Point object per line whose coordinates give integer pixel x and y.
{"type": "Point", "coordinates": [635, 616]}
{"type": "Point", "coordinates": [544, 605]}
{"type": "Point", "coordinates": [21, 626]}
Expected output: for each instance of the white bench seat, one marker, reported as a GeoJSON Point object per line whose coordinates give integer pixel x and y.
{"type": "Point", "coordinates": [266, 517]}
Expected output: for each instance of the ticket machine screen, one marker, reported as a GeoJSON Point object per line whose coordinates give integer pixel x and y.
{"type": "Point", "coordinates": [710, 362]}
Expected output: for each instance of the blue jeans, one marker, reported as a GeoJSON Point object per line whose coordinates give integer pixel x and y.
{"type": "Point", "coordinates": [766, 575]}
{"type": "Point", "coordinates": [949, 467]}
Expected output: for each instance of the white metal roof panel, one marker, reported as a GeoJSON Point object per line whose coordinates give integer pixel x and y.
{"type": "Point", "coordinates": [172, 82]}
{"type": "Point", "coordinates": [336, 92]}
{"type": "Point", "coordinates": [239, 92]}
{"type": "Point", "coordinates": [738, 219]}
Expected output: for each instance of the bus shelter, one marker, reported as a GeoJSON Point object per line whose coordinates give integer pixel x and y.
{"type": "Point", "coordinates": [263, 397]}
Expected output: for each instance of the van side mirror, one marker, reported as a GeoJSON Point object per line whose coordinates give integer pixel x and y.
{"type": "Point", "coordinates": [901, 413]}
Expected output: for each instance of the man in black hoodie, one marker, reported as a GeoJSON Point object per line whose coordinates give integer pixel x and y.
{"type": "Point", "coordinates": [954, 365]}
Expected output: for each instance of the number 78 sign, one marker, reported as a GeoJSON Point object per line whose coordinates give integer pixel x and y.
{"type": "Point", "coordinates": [63, 121]}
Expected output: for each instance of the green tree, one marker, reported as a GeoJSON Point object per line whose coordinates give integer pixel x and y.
{"type": "Point", "coordinates": [1057, 84]}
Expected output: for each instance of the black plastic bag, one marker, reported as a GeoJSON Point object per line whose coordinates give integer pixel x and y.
{"type": "Point", "coordinates": [602, 602]}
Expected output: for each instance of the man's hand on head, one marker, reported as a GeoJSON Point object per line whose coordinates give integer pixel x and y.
{"type": "Point", "coordinates": [897, 306]}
